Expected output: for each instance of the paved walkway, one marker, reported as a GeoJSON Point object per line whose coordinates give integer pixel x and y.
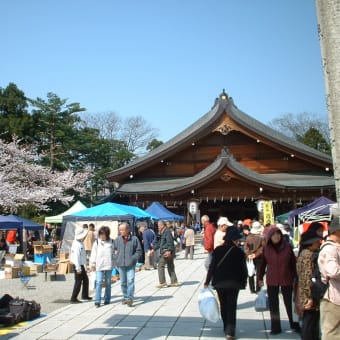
{"type": "Point", "coordinates": [167, 313]}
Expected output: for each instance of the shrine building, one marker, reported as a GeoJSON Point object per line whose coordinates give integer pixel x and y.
{"type": "Point", "coordinates": [227, 161]}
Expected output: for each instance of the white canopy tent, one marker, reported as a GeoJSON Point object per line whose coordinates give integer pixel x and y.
{"type": "Point", "coordinates": [58, 219]}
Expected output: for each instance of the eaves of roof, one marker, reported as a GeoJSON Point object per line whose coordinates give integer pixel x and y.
{"type": "Point", "coordinates": [274, 135]}
{"type": "Point", "coordinates": [215, 169]}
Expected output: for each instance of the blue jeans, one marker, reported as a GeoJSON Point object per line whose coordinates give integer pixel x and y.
{"type": "Point", "coordinates": [106, 276]}
{"type": "Point", "coordinates": [127, 281]}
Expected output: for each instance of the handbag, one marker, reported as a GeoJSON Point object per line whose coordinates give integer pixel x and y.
{"type": "Point", "coordinates": [251, 267]}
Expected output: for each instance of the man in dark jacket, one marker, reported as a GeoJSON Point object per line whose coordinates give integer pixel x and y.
{"type": "Point", "coordinates": [128, 252]}
{"type": "Point", "coordinates": [167, 253]}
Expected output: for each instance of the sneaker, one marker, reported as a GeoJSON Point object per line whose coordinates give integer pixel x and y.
{"type": "Point", "coordinates": [175, 284]}
{"type": "Point", "coordinates": [97, 304]}
{"type": "Point", "coordinates": [129, 302]}
{"type": "Point", "coordinates": [75, 301]}
{"type": "Point", "coordinates": [124, 301]}
{"type": "Point", "coordinates": [106, 302]}
{"type": "Point", "coordinates": [162, 285]}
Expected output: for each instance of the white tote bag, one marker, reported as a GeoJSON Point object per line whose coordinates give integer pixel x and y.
{"type": "Point", "coordinates": [208, 305]}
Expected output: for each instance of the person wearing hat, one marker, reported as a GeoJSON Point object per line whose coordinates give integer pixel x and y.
{"type": "Point", "coordinates": [253, 248]}
{"type": "Point", "coordinates": [78, 260]}
{"type": "Point", "coordinates": [228, 274]}
{"type": "Point", "coordinates": [222, 224]}
{"type": "Point", "coordinates": [329, 265]}
{"type": "Point", "coordinates": [306, 307]}
{"type": "Point", "coordinates": [279, 265]}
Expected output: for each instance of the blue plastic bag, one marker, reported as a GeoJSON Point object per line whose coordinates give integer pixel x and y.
{"type": "Point", "coordinates": [261, 301]}
{"type": "Point", "coordinates": [208, 305]}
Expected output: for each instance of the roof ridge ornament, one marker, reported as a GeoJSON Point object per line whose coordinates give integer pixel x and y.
{"type": "Point", "coordinates": [224, 129]}
{"type": "Point", "coordinates": [223, 95]}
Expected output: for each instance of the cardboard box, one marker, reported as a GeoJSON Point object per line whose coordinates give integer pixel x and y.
{"type": "Point", "coordinates": [26, 271]}
{"type": "Point", "coordinates": [38, 267]}
{"type": "Point", "coordinates": [50, 267]}
{"type": "Point", "coordinates": [43, 249]}
{"type": "Point", "coordinates": [19, 257]}
{"type": "Point", "coordinates": [12, 272]}
{"type": "Point", "coordinates": [63, 256]}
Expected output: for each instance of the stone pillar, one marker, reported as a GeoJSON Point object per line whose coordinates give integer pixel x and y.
{"type": "Point", "coordinates": [328, 13]}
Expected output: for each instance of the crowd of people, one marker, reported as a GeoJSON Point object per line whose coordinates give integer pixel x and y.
{"type": "Point", "coordinates": [231, 249]}
{"type": "Point", "coordinates": [269, 248]}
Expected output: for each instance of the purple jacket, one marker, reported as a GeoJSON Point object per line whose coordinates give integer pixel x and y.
{"type": "Point", "coordinates": [279, 260]}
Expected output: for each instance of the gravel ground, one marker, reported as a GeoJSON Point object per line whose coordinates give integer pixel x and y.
{"type": "Point", "coordinates": [50, 294]}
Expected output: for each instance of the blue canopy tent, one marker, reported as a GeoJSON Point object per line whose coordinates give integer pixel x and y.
{"type": "Point", "coordinates": [109, 214]}
{"type": "Point", "coordinates": [318, 210]}
{"type": "Point", "coordinates": [10, 222]}
{"type": "Point", "coordinates": [163, 213]}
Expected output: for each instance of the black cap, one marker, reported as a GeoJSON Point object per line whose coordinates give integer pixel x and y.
{"type": "Point", "coordinates": [233, 234]}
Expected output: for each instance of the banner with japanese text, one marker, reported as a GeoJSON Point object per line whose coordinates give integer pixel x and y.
{"type": "Point", "coordinates": [268, 213]}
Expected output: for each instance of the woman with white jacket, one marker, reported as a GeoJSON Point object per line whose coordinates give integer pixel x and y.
{"type": "Point", "coordinates": [102, 262]}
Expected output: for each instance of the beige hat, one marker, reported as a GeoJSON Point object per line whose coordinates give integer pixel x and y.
{"type": "Point", "coordinates": [256, 228]}
{"type": "Point", "coordinates": [80, 233]}
{"type": "Point", "coordinates": [224, 221]}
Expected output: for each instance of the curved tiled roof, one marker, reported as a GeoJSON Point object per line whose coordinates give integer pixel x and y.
{"type": "Point", "coordinates": [208, 120]}
{"type": "Point", "coordinates": [280, 180]}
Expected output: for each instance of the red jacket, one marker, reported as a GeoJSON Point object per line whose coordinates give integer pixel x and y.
{"type": "Point", "coordinates": [209, 232]}
{"type": "Point", "coordinates": [11, 236]}
{"type": "Point", "coordinates": [279, 261]}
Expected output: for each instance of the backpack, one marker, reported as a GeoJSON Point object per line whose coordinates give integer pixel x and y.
{"type": "Point", "coordinates": [318, 287]}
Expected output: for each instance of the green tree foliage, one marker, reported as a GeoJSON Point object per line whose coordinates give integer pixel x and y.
{"type": "Point", "coordinates": [56, 131]}
{"type": "Point", "coordinates": [315, 139]}
{"type": "Point", "coordinates": [155, 143]}
{"type": "Point", "coordinates": [300, 125]}
{"type": "Point", "coordinates": [14, 117]}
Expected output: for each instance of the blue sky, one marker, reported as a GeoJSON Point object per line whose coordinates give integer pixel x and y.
{"type": "Point", "coordinates": [166, 60]}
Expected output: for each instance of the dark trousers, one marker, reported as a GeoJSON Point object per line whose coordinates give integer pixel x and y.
{"type": "Point", "coordinates": [228, 302]}
{"type": "Point", "coordinates": [311, 325]}
{"type": "Point", "coordinates": [162, 263]}
{"type": "Point", "coordinates": [80, 279]}
{"type": "Point", "coordinates": [254, 285]}
{"type": "Point", "coordinates": [273, 299]}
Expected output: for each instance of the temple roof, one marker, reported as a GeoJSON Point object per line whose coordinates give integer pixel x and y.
{"type": "Point", "coordinates": [202, 125]}
{"type": "Point", "coordinates": [216, 169]}
{"type": "Point", "coordinates": [227, 145]}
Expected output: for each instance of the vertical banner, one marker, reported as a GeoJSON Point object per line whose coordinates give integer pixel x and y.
{"type": "Point", "coordinates": [268, 214]}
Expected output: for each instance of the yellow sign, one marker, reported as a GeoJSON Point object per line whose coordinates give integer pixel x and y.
{"type": "Point", "coordinates": [268, 214]}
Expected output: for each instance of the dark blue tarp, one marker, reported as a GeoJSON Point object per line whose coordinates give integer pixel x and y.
{"type": "Point", "coordinates": [163, 213]}
{"type": "Point", "coordinates": [17, 222]}
{"type": "Point", "coordinates": [323, 203]}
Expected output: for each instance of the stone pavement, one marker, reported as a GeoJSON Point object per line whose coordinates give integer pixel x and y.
{"type": "Point", "coordinates": [168, 313]}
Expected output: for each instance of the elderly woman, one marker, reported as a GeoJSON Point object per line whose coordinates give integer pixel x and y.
{"type": "Point", "coordinates": [228, 273]}
{"type": "Point", "coordinates": [279, 264]}
{"type": "Point", "coordinates": [253, 248]}
{"type": "Point", "coordinates": [102, 262]}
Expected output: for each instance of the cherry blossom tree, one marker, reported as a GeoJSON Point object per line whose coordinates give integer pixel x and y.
{"type": "Point", "coordinates": [23, 181]}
